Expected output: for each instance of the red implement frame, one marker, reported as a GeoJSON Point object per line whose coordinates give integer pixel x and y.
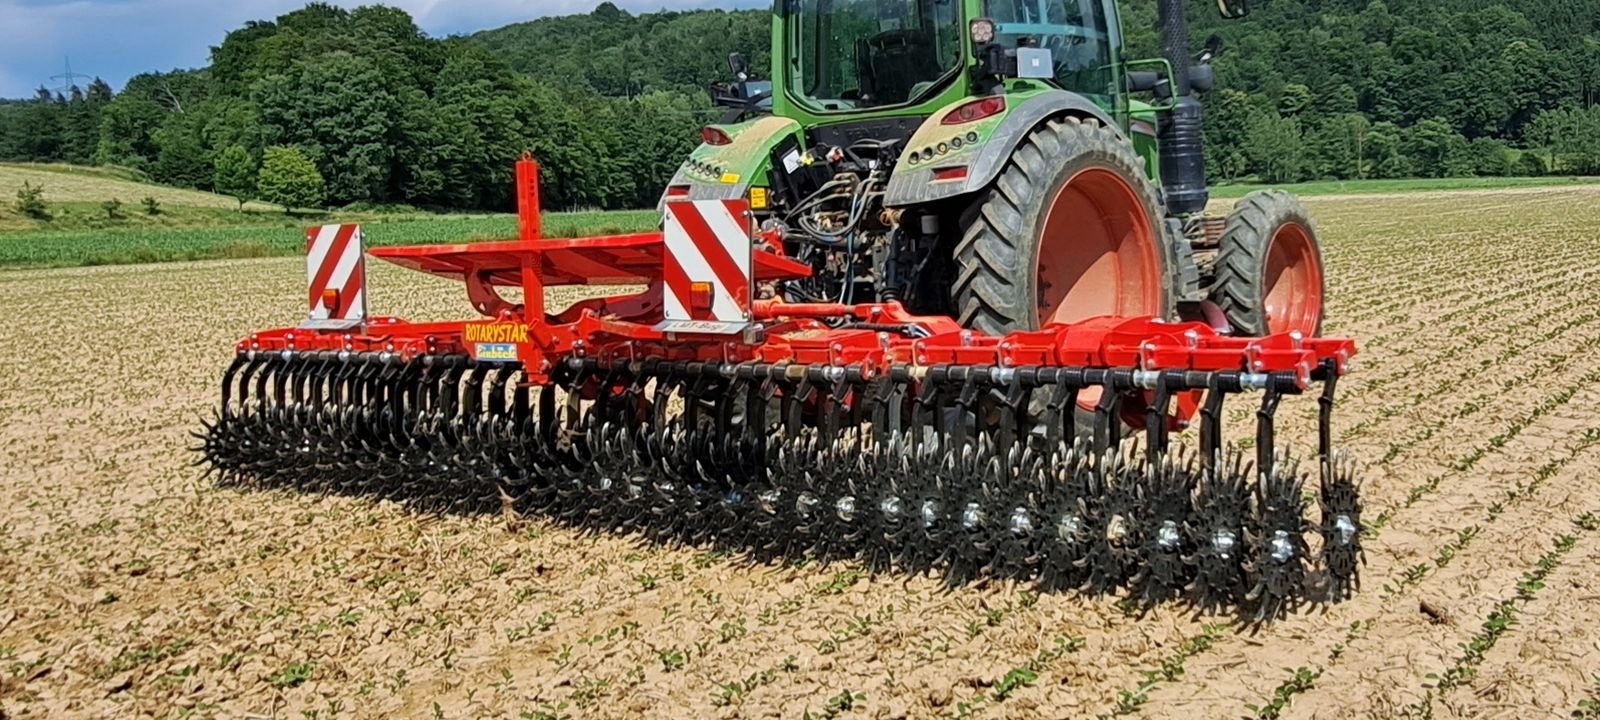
{"type": "Point", "coordinates": [870, 337]}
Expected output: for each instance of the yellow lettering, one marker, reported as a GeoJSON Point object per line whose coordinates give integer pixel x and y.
{"type": "Point", "coordinates": [497, 333]}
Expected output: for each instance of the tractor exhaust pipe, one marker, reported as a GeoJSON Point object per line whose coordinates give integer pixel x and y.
{"type": "Point", "coordinates": [1183, 155]}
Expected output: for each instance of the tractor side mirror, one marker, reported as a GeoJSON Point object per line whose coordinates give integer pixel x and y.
{"type": "Point", "coordinates": [738, 66]}
{"type": "Point", "coordinates": [1233, 9]}
{"type": "Point", "coordinates": [1144, 80]}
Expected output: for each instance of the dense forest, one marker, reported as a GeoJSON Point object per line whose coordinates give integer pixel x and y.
{"type": "Point", "coordinates": [610, 102]}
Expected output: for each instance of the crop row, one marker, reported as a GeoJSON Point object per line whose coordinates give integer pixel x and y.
{"type": "Point", "coordinates": [1297, 681]}
{"type": "Point", "coordinates": [1500, 619]}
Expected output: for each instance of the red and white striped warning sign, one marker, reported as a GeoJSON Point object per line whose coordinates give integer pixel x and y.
{"type": "Point", "coordinates": [336, 274]}
{"type": "Point", "coordinates": [708, 262]}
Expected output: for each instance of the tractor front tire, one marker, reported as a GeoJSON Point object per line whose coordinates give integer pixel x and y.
{"type": "Point", "coordinates": [1269, 276]}
{"type": "Point", "coordinates": [1071, 229]}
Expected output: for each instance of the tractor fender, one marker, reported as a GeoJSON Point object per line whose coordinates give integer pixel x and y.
{"type": "Point", "coordinates": [726, 172]}
{"type": "Point", "coordinates": [914, 183]}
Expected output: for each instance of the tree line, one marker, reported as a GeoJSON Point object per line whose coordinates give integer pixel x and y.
{"type": "Point", "coordinates": [326, 106]}
{"type": "Point", "coordinates": [385, 115]}
{"type": "Point", "coordinates": [1390, 88]}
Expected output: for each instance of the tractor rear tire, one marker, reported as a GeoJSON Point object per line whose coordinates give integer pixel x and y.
{"type": "Point", "coordinates": [1269, 276]}
{"type": "Point", "coordinates": [1071, 229]}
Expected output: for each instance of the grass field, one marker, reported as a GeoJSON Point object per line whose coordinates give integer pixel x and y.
{"type": "Point", "coordinates": [194, 225]}
{"type": "Point", "coordinates": [201, 226]}
{"type": "Point", "coordinates": [286, 237]}
{"type": "Point", "coordinates": [1364, 187]}
{"type": "Point", "coordinates": [134, 587]}
{"type": "Point", "coordinates": [75, 194]}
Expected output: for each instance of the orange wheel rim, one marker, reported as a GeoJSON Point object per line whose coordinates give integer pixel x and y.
{"type": "Point", "coordinates": [1098, 255]}
{"type": "Point", "coordinates": [1292, 282]}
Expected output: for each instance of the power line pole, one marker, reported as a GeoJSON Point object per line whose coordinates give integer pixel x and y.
{"type": "Point", "coordinates": [69, 80]}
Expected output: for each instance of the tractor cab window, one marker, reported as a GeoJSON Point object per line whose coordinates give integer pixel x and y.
{"type": "Point", "coordinates": [1078, 34]}
{"type": "Point", "coordinates": [851, 54]}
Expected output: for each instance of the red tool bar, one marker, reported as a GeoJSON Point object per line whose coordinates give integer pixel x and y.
{"type": "Point", "coordinates": [873, 337]}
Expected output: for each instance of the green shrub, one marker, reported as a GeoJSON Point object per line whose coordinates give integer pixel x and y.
{"type": "Point", "coordinates": [30, 201]}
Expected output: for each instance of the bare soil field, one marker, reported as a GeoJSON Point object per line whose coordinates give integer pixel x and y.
{"type": "Point", "coordinates": [132, 587]}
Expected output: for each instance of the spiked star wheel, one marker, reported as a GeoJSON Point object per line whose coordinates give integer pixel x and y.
{"type": "Point", "coordinates": [1341, 527]}
{"type": "Point", "coordinates": [1216, 532]}
{"type": "Point", "coordinates": [1278, 549]}
{"type": "Point", "coordinates": [898, 472]}
{"type": "Point", "coordinates": [1163, 493]}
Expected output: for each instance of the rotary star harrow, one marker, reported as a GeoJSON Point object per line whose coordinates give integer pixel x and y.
{"type": "Point", "coordinates": [835, 431]}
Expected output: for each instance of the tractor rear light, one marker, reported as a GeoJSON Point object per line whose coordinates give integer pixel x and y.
{"type": "Point", "coordinates": [700, 298]}
{"type": "Point", "coordinates": [714, 136]}
{"type": "Point", "coordinates": [330, 299]}
{"type": "Point", "coordinates": [982, 31]}
{"type": "Point", "coordinates": [677, 192]}
{"type": "Point", "coordinates": [950, 173]}
{"type": "Point", "coordinates": [975, 110]}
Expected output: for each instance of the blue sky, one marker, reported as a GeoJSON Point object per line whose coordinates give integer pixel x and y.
{"type": "Point", "coordinates": [117, 39]}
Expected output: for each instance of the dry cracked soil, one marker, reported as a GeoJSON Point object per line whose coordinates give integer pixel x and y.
{"type": "Point", "coordinates": [132, 586]}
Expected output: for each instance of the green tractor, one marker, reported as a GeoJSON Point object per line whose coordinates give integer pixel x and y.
{"type": "Point", "coordinates": [991, 160]}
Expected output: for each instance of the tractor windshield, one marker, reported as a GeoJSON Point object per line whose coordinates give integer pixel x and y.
{"type": "Point", "coordinates": [1078, 33]}
{"type": "Point", "coordinates": [867, 53]}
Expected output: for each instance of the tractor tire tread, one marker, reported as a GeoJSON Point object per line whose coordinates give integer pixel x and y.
{"type": "Point", "coordinates": [1241, 258]}
{"type": "Point", "coordinates": [995, 247]}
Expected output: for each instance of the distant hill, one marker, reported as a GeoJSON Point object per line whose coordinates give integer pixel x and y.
{"type": "Point", "coordinates": [617, 54]}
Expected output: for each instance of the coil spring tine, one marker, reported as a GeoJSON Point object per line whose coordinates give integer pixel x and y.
{"type": "Point", "coordinates": [693, 390]}
{"type": "Point", "coordinates": [453, 404]}
{"type": "Point", "coordinates": [833, 407]}
{"type": "Point", "coordinates": [472, 397]}
{"type": "Point", "coordinates": [1013, 414]}
{"type": "Point", "coordinates": [722, 441]}
{"type": "Point", "coordinates": [497, 390]}
{"type": "Point", "coordinates": [229, 380]}
{"type": "Point", "coordinates": [924, 408]}
{"type": "Point", "coordinates": [1155, 422]}
{"type": "Point", "coordinates": [297, 389]}
{"type": "Point", "coordinates": [280, 378]}
{"type": "Point", "coordinates": [576, 383]}
{"type": "Point", "coordinates": [792, 405]}
{"type": "Point", "coordinates": [251, 370]}
{"type": "Point", "coordinates": [966, 415]}
{"type": "Point", "coordinates": [655, 434]}
{"type": "Point", "coordinates": [1265, 450]}
{"type": "Point", "coordinates": [1059, 423]}
{"type": "Point", "coordinates": [1211, 425]}
{"type": "Point", "coordinates": [521, 409]}
{"type": "Point", "coordinates": [1107, 418]}
{"type": "Point", "coordinates": [1325, 423]}
{"type": "Point", "coordinates": [548, 427]}
{"type": "Point", "coordinates": [752, 448]}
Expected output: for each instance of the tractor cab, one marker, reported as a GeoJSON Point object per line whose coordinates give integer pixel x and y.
{"type": "Point", "coordinates": [898, 56]}
{"type": "Point", "coordinates": [845, 55]}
